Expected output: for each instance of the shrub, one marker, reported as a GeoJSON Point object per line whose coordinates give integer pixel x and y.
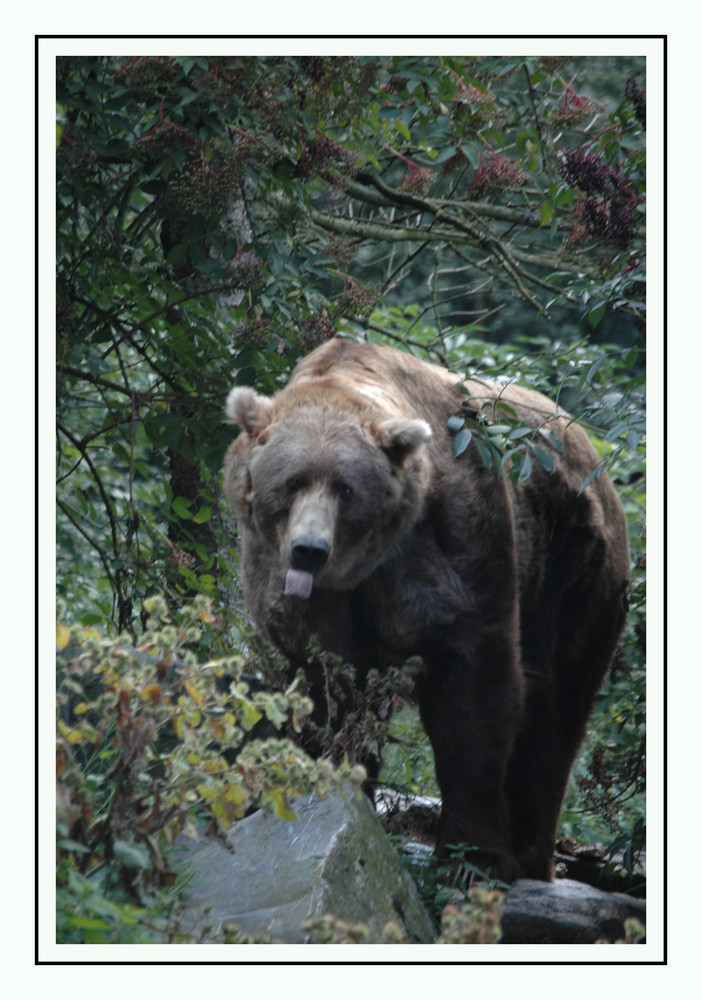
{"type": "Point", "coordinates": [152, 742]}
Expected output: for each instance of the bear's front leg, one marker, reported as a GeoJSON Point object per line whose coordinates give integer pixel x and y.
{"type": "Point", "coordinates": [470, 706]}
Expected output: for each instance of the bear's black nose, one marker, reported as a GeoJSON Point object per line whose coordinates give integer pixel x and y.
{"type": "Point", "coordinates": [309, 553]}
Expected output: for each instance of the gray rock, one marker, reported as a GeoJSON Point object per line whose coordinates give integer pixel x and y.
{"type": "Point", "coordinates": [565, 912]}
{"type": "Point", "coordinates": [269, 875]}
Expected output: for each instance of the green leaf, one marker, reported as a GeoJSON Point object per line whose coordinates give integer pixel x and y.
{"type": "Point", "coordinates": [181, 507]}
{"type": "Point", "coordinates": [188, 98]}
{"type": "Point", "coordinates": [454, 423]}
{"type": "Point", "coordinates": [485, 452]}
{"type": "Point", "coordinates": [92, 618]}
{"type": "Point", "coordinates": [441, 155]}
{"type": "Point", "coordinates": [131, 855]}
{"type": "Point", "coordinates": [207, 583]}
{"type": "Point", "coordinates": [402, 129]}
{"type": "Point", "coordinates": [519, 432]}
{"type": "Point", "coordinates": [178, 254]}
{"type": "Point", "coordinates": [493, 136]}
{"type": "Point", "coordinates": [472, 154]}
{"type": "Point", "coordinates": [595, 474]}
{"type": "Point", "coordinates": [595, 315]}
{"type": "Point", "coordinates": [525, 468]}
{"type": "Point", "coordinates": [197, 255]}
{"type": "Point", "coordinates": [594, 368]}
{"type": "Point", "coordinates": [545, 458]}
{"type": "Point", "coordinates": [72, 845]}
{"type": "Point", "coordinates": [552, 438]}
{"type": "Point", "coordinates": [461, 441]}
{"type": "Point", "coordinates": [90, 923]}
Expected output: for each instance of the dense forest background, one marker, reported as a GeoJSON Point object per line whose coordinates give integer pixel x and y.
{"type": "Point", "coordinates": [217, 219]}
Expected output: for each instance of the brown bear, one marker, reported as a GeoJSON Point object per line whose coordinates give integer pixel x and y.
{"type": "Point", "coordinates": [361, 527]}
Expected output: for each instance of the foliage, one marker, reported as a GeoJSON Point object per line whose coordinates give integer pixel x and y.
{"type": "Point", "coordinates": [454, 881]}
{"type": "Point", "coordinates": [408, 763]}
{"type": "Point", "coordinates": [329, 929]}
{"type": "Point", "coordinates": [603, 384]}
{"type": "Point", "coordinates": [477, 921]}
{"type": "Point", "coordinates": [151, 743]}
{"type": "Point", "coordinates": [606, 800]}
{"type": "Point", "coordinates": [634, 933]}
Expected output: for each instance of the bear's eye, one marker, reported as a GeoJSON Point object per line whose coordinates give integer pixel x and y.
{"type": "Point", "coordinates": [344, 492]}
{"type": "Point", "coordinates": [293, 484]}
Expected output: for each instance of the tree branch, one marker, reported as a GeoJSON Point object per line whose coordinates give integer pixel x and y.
{"type": "Point", "coordinates": [80, 445]}
{"type": "Point", "coordinates": [91, 541]}
{"type": "Point", "coordinates": [461, 231]}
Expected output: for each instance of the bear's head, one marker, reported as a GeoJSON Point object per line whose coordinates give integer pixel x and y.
{"type": "Point", "coordinates": [330, 489]}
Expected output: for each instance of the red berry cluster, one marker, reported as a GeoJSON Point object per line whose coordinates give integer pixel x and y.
{"type": "Point", "coordinates": [475, 107]}
{"type": "Point", "coordinates": [610, 222]}
{"type": "Point", "coordinates": [165, 139]}
{"type": "Point", "coordinates": [248, 272]}
{"type": "Point", "coordinates": [339, 249]}
{"type": "Point", "coordinates": [141, 71]}
{"type": "Point", "coordinates": [315, 330]}
{"type": "Point", "coordinates": [589, 172]}
{"type": "Point", "coordinates": [607, 209]}
{"type": "Point", "coordinates": [179, 557]}
{"type": "Point", "coordinates": [395, 85]}
{"type": "Point", "coordinates": [75, 155]}
{"type": "Point", "coordinates": [320, 155]}
{"type": "Point", "coordinates": [638, 98]}
{"type": "Point", "coordinates": [356, 299]}
{"type": "Point", "coordinates": [224, 80]}
{"type": "Point", "coordinates": [315, 67]}
{"type": "Point", "coordinates": [573, 111]}
{"type": "Point", "coordinates": [65, 314]}
{"type": "Point", "coordinates": [200, 189]}
{"type": "Point", "coordinates": [416, 180]}
{"type": "Point", "coordinates": [495, 174]}
{"type": "Point", "coordinates": [578, 230]}
{"type": "Point", "coordinates": [552, 63]}
{"type": "Point", "coordinates": [255, 332]}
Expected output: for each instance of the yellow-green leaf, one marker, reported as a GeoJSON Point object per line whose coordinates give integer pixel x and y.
{"type": "Point", "coordinates": [151, 692]}
{"type": "Point", "coordinates": [236, 794]}
{"type": "Point", "coordinates": [197, 696]}
{"type": "Point", "coordinates": [281, 808]}
{"type": "Point", "coordinates": [63, 636]}
{"type": "Point", "coordinates": [248, 715]}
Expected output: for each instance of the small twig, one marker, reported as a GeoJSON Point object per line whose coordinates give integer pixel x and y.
{"type": "Point", "coordinates": [90, 541]}
{"type": "Point", "coordinates": [80, 445]}
{"type": "Point", "coordinates": [537, 122]}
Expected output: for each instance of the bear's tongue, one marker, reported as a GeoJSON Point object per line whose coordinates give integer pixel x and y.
{"type": "Point", "coordinates": [298, 582]}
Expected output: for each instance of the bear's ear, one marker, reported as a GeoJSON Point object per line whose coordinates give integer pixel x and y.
{"type": "Point", "coordinates": [251, 411]}
{"type": "Point", "coordinates": [401, 438]}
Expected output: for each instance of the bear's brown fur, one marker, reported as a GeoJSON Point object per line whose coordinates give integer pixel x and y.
{"type": "Point", "coordinates": [349, 498]}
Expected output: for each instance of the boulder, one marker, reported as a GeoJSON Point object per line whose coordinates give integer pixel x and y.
{"type": "Point", "coordinates": [267, 876]}
{"type": "Point", "coordinates": [565, 912]}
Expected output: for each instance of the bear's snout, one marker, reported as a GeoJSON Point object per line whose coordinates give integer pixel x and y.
{"type": "Point", "coordinates": [309, 553]}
